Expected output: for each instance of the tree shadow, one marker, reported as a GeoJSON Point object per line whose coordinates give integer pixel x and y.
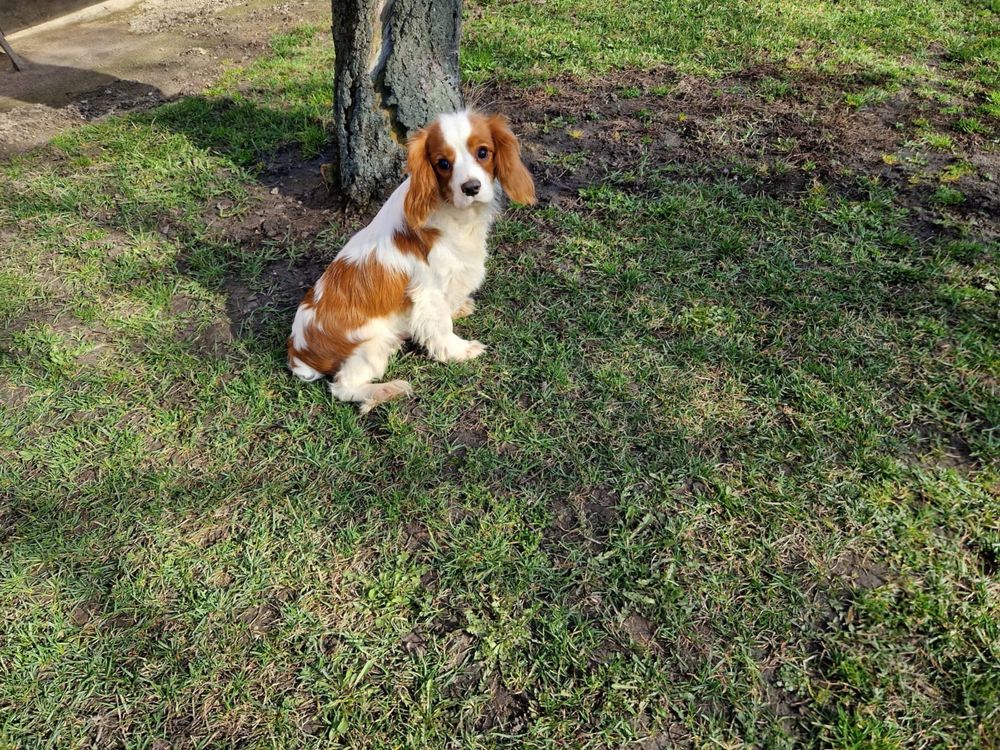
{"type": "Point", "coordinates": [289, 204]}
{"type": "Point", "coordinates": [23, 15]}
{"type": "Point", "coordinates": [60, 86]}
{"type": "Point", "coordinates": [266, 241]}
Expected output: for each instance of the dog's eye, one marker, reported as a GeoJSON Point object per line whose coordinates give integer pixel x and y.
{"type": "Point", "coordinates": [483, 152]}
{"type": "Point", "coordinates": [444, 165]}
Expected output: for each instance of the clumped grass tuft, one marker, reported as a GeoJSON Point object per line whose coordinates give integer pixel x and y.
{"type": "Point", "coordinates": [948, 196]}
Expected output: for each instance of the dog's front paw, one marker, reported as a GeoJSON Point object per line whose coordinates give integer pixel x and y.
{"type": "Point", "coordinates": [472, 350]}
{"type": "Point", "coordinates": [457, 349]}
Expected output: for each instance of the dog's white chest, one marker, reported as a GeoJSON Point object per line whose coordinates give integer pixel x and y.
{"type": "Point", "coordinates": [458, 270]}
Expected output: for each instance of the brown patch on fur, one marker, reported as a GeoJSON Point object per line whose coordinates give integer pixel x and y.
{"type": "Point", "coordinates": [428, 182]}
{"type": "Point", "coordinates": [353, 294]}
{"type": "Point", "coordinates": [509, 168]}
{"type": "Point", "coordinates": [416, 242]}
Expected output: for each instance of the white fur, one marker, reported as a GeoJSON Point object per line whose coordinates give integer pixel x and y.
{"type": "Point", "coordinates": [303, 371]}
{"type": "Point", "coordinates": [304, 317]}
{"type": "Point", "coordinates": [439, 288]}
{"type": "Point", "coordinates": [379, 339]}
{"type": "Point", "coordinates": [456, 129]}
{"type": "Point", "coordinates": [376, 238]}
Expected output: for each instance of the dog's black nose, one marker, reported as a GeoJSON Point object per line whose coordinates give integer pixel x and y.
{"type": "Point", "coordinates": [471, 187]}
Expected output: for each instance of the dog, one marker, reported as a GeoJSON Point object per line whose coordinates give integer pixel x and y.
{"type": "Point", "coordinates": [410, 273]}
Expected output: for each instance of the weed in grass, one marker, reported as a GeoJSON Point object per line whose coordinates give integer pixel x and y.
{"type": "Point", "coordinates": [938, 141]}
{"type": "Point", "coordinates": [992, 106]}
{"type": "Point", "coordinates": [957, 171]}
{"type": "Point", "coordinates": [867, 97]}
{"type": "Point", "coordinates": [972, 125]}
{"type": "Point", "coordinates": [948, 196]}
{"type": "Point", "coordinates": [773, 89]}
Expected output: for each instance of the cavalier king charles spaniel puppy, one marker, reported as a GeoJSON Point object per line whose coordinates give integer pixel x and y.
{"type": "Point", "coordinates": [410, 272]}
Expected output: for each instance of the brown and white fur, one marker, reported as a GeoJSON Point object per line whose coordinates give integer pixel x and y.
{"type": "Point", "coordinates": [410, 272]}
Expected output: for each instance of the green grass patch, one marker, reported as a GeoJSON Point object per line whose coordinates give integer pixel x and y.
{"type": "Point", "coordinates": [277, 101]}
{"type": "Point", "coordinates": [948, 196]}
{"type": "Point", "coordinates": [899, 40]}
{"type": "Point", "coordinates": [726, 476]}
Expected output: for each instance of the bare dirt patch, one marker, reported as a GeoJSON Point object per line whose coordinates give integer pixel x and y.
{"type": "Point", "coordinates": [134, 59]}
{"type": "Point", "coordinates": [860, 572]}
{"type": "Point", "coordinates": [787, 707]}
{"type": "Point", "coordinates": [12, 395]}
{"type": "Point", "coordinates": [416, 535]}
{"type": "Point", "coordinates": [587, 517]}
{"type": "Point", "coordinates": [642, 632]}
{"type": "Point", "coordinates": [163, 15]}
{"type": "Point", "coordinates": [284, 208]}
{"type": "Point", "coordinates": [504, 710]}
{"type": "Point", "coordinates": [469, 432]}
{"type": "Point", "coordinates": [579, 134]}
{"type": "Point", "coordinates": [10, 517]}
{"type": "Point", "coordinates": [988, 556]}
{"type": "Point", "coordinates": [676, 736]}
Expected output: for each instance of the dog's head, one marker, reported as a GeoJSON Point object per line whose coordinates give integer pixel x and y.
{"type": "Point", "coordinates": [458, 159]}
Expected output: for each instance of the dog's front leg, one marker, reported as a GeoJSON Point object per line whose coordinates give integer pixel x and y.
{"type": "Point", "coordinates": [430, 325]}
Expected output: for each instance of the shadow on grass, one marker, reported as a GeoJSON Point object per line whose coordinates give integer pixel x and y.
{"type": "Point", "coordinates": [247, 135]}
{"type": "Point", "coordinates": [191, 176]}
{"type": "Point", "coordinates": [283, 214]}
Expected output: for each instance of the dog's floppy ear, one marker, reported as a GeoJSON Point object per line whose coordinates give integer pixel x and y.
{"type": "Point", "coordinates": [423, 193]}
{"type": "Point", "coordinates": [510, 170]}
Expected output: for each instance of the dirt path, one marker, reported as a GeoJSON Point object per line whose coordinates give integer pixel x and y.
{"type": "Point", "coordinates": [132, 59]}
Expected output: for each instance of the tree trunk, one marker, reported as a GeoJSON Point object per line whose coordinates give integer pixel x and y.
{"type": "Point", "coordinates": [396, 69]}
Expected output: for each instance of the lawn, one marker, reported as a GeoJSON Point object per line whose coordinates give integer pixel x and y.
{"type": "Point", "coordinates": [727, 476]}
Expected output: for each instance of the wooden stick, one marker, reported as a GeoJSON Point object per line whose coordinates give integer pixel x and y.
{"type": "Point", "coordinates": [15, 59]}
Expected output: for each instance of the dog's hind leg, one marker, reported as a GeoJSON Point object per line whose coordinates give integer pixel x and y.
{"type": "Point", "coordinates": [465, 308]}
{"type": "Point", "coordinates": [366, 363]}
{"type": "Point", "coordinates": [303, 371]}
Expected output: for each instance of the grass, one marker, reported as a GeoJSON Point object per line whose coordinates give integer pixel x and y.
{"type": "Point", "coordinates": [887, 40]}
{"type": "Point", "coordinates": [278, 101]}
{"type": "Point", "coordinates": [726, 477]}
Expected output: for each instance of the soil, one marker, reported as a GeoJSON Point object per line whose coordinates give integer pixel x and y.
{"type": "Point", "coordinates": [505, 709]}
{"type": "Point", "coordinates": [133, 59]}
{"type": "Point", "coordinates": [859, 573]}
{"type": "Point", "coordinates": [164, 15]}
{"type": "Point", "coordinates": [641, 631]}
{"type": "Point", "coordinates": [587, 517]}
{"type": "Point", "coordinates": [581, 134]}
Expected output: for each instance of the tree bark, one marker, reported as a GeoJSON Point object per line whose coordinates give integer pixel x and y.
{"type": "Point", "coordinates": [396, 68]}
